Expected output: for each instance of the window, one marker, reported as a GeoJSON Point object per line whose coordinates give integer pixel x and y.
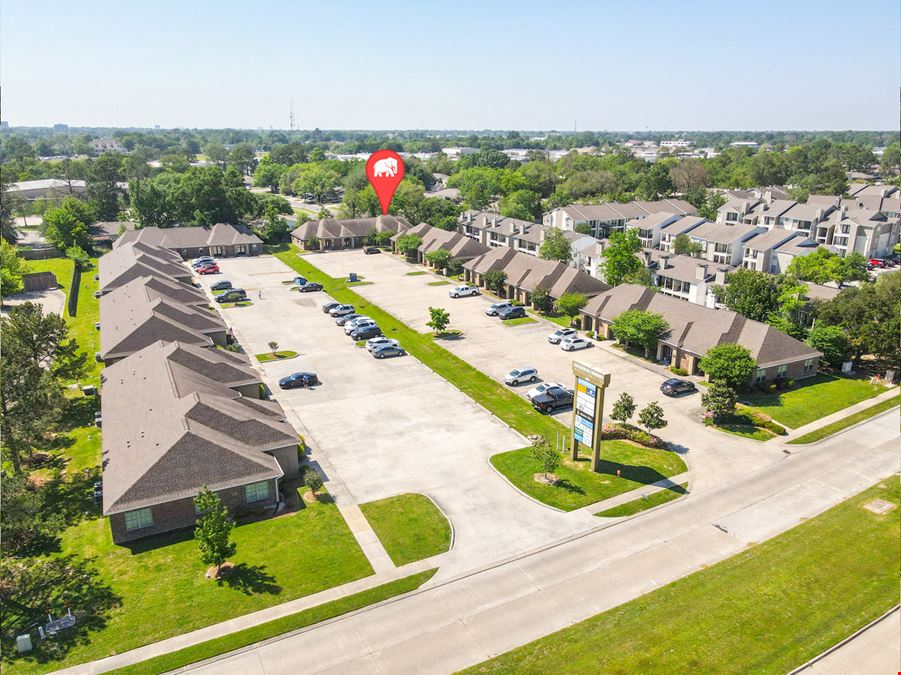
{"type": "Point", "coordinates": [135, 520]}
{"type": "Point", "coordinates": [761, 375]}
{"type": "Point", "coordinates": [808, 365]}
{"type": "Point", "coordinates": [256, 491]}
{"type": "Point", "coordinates": [782, 371]}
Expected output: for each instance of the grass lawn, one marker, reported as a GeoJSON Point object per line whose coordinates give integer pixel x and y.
{"type": "Point", "coordinates": [359, 283]}
{"type": "Point", "coordinates": [519, 321]}
{"type": "Point", "coordinates": [812, 399]}
{"type": "Point", "coordinates": [742, 425]}
{"type": "Point", "coordinates": [765, 610]}
{"type": "Point", "coordinates": [229, 305]}
{"type": "Point", "coordinates": [443, 282]}
{"type": "Point", "coordinates": [164, 593]}
{"type": "Point", "coordinates": [846, 422]}
{"type": "Point", "coordinates": [644, 503]}
{"type": "Point", "coordinates": [277, 356]}
{"type": "Point", "coordinates": [578, 485]}
{"type": "Point", "coordinates": [302, 619]}
{"type": "Point", "coordinates": [561, 320]}
{"type": "Point", "coordinates": [416, 273]}
{"type": "Point", "coordinates": [409, 526]}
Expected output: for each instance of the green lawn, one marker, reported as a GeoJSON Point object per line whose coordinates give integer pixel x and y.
{"type": "Point", "coordinates": [644, 503]}
{"type": "Point", "coordinates": [241, 303]}
{"type": "Point", "coordinates": [765, 610]}
{"type": "Point", "coordinates": [302, 619]}
{"type": "Point", "coordinates": [561, 320]}
{"type": "Point", "coordinates": [812, 399]}
{"type": "Point", "coordinates": [519, 321]}
{"type": "Point", "coordinates": [416, 273]}
{"type": "Point", "coordinates": [846, 422]}
{"type": "Point", "coordinates": [278, 356]}
{"type": "Point", "coordinates": [443, 282]}
{"type": "Point", "coordinates": [164, 593]}
{"type": "Point", "coordinates": [409, 526]}
{"type": "Point", "coordinates": [742, 425]}
{"type": "Point", "coordinates": [578, 486]}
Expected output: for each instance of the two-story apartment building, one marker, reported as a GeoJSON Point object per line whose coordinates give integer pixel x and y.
{"type": "Point", "coordinates": [493, 230]}
{"type": "Point", "coordinates": [772, 250]}
{"type": "Point", "coordinates": [722, 244]}
{"type": "Point", "coordinates": [602, 219]}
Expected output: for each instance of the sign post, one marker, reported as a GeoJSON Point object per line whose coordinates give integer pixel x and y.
{"type": "Point", "coordinates": [588, 411]}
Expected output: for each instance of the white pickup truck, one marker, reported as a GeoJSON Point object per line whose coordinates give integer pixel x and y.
{"type": "Point", "coordinates": [461, 291]}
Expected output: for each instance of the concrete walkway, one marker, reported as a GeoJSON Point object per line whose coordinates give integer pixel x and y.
{"type": "Point", "coordinates": [838, 416]}
{"type": "Point", "coordinates": [875, 649]}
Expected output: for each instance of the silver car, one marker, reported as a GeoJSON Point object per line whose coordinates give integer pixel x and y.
{"type": "Point", "coordinates": [381, 341]}
{"type": "Point", "coordinates": [560, 334]}
{"type": "Point", "coordinates": [356, 321]}
{"type": "Point", "coordinates": [496, 307]}
{"type": "Point", "coordinates": [520, 375]}
{"type": "Point", "coordinates": [342, 310]}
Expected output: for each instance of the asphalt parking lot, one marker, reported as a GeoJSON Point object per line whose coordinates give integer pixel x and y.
{"type": "Point", "coordinates": [391, 426]}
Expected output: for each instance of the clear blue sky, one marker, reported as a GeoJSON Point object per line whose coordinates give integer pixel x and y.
{"type": "Point", "coordinates": [617, 65]}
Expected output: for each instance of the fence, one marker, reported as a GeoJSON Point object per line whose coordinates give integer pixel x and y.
{"type": "Point", "coordinates": [73, 291]}
{"type": "Point", "coordinates": [38, 281]}
{"type": "Point", "coordinates": [39, 253]}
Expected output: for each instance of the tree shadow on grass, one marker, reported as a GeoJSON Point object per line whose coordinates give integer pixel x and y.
{"type": "Point", "coordinates": [79, 412]}
{"type": "Point", "coordinates": [638, 474]}
{"type": "Point", "coordinates": [564, 484]}
{"type": "Point", "coordinates": [159, 541]}
{"type": "Point", "coordinates": [250, 580]}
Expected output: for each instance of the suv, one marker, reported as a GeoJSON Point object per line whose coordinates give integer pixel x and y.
{"type": "Point", "coordinates": [496, 307]}
{"type": "Point", "coordinates": [223, 285]}
{"type": "Point", "coordinates": [359, 322]}
{"type": "Point", "coordinates": [233, 295]}
{"type": "Point", "coordinates": [512, 312]}
{"type": "Point", "coordinates": [329, 306]}
{"type": "Point", "coordinates": [539, 389]}
{"type": "Point", "coordinates": [573, 343]}
{"type": "Point", "coordinates": [520, 375]}
{"type": "Point", "coordinates": [553, 398]}
{"type": "Point", "coordinates": [341, 320]}
{"type": "Point", "coordinates": [460, 291]}
{"type": "Point", "coordinates": [342, 310]}
{"type": "Point", "coordinates": [561, 334]}
{"type": "Point", "coordinates": [675, 386]}
{"type": "Point", "coordinates": [369, 250]}
{"type": "Point", "coordinates": [202, 261]}
{"type": "Point", "coordinates": [365, 331]}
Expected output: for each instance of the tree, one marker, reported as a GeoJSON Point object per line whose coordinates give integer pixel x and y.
{"type": "Point", "coordinates": [522, 204]}
{"type": "Point", "coordinates": [78, 256]}
{"type": "Point", "coordinates": [102, 184]}
{"type": "Point", "coordinates": [656, 182]}
{"type": "Point", "coordinates": [312, 480]}
{"type": "Point", "coordinates": [438, 258]}
{"type": "Point", "coordinates": [891, 159]}
{"type": "Point", "coordinates": [548, 458]}
{"type": "Point", "coordinates": [541, 299]}
{"type": "Point", "coordinates": [152, 203]}
{"type": "Point", "coordinates": [832, 341]}
{"type": "Point", "coordinates": [571, 304]}
{"type": "Point", "coordinates": [555, 246]}
{"type": "Point", "coordinates": [730, 364]}
{"type": "Point", "coordinates": [689, 174]}
{"type": "Point", "coordinates": [323, 214]}
{"type": "Point", "coordinates": [495, 280]}
{"type": "Point", "coordinates": [27, 522]}
{"type": "Point", "coordinates": [43, 341]}
{"type": "Point", "coordinates": [317, 181]}
{"type": "Point", "coordinates": [243, 157]}
{"type": "Point", "coordinates": [582, 228]}
{"type": "Point", "coordinates": [69, 224]}
{"type": "Point", "coordinates": [9, 203]}
{"type": "Point", "coordinates": [710, 206]}
{"type": "Point", "coordinates": [275, 228]}
{"type": "Point", "coordinates": [683, 245]}
{"type": "Point", "coordinates": [213, 531]}
{"type": "Point", "coordinates": [408, 244]}
{"type": "Point", "coordinates": [273, 347]}
{"type": "Point", "coordinates": [439, 320]}
{"type": "Point", "coordinates": [637, 327]}
{"type": "Point", "coordinates": [12, 267]}
{"type": "Point", "coordinates": [623, 409]}
{"type": "Point", "coordinates": [719, 400]}
{"type": "Point", "coordinates": [216, 153]}
{"type": "Point", "coordinates": [752, 294]}
{"type": "Point", "coordinates": [651, 417]}
{"type": "Point", "coordinates": [621, 256]}
{"type": "Point", "coordinates": [268, 174]}
{"type": "Point", "coordinates": [823, 266]}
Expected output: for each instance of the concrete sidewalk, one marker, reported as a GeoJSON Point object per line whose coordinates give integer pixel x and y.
{"type": "Point", "coordinates": [838, 416]}
{"type": "Point", "coordinates": [637, 493]}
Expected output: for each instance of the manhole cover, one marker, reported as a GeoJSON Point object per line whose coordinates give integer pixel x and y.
{"type": "Point", "coordinates": [879, 506]}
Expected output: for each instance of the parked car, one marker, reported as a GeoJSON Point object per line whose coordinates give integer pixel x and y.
{"type": "Point", "coordinates": [299, 281]}
{"type": "Point", "coordinates": [341, 320]}
{"type": "Point", "coordinates": [310, 287]}
{"type": "Point", "coordinates": [223, 285]}
{"type": "Point", "coordinates": [512, 312]}
{"type": "Point", "coordinates": [365, 331]}
{"type": "Point", "coordinates": [553, 398]}
{"type": "Point", "coordinates": [520, 375]}
{"type": "Point", "coordinates": [675, 387]}
{"type": "Point", "coordinates": [202, 260]}
{"type": "Point", "coordinates": [388, 350]}
{"type": "Point", "coordinates": [380, 341]}
{"type": "Point", "coordinates": [233, 295]}
{"type": "Point", "coordinates": [369, 250]}
{"type": "Point", "coordinates": [561, 334]}
{"type": "Point", "coordinates": [97, 492]}
{"type": "Point", "coordinates": [571, 344]}
{"type": "Point", "coordinates": [540, 388]}
{"type": "Point", "coordinates": [298, 380]}
{"type": "Point", "coordinates": [342, 310]}
{"type": "Point", "coordinates": [495, 307]}
{"type": "Point", "coordinates": [329, 306]}
{"type": "Point", "coordinates": [462, 291]}
{"type": "Point", "coordinates": [209, 269]}
{"type": "Point", "coordinates": [359, 322]}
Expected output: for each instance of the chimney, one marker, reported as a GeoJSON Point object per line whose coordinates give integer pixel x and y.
{"type": "Point", "coordinates": [664, 261]}
{"type": "Point", "coordinates": [469, 216]}
{"type": "Point", "coordinates": [720, 276]}
{"type": "Point", "coordinates": [514, 229]}
{"type": "Point", "coordinates": [646, 258]}
{"type": "Point", "coordinates": [494, 221]}
{"type": "Point", "coordinates": [701, 272]}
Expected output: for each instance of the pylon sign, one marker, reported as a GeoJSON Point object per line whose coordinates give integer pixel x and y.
{"type": "Point", "coordinates": [588, 410]}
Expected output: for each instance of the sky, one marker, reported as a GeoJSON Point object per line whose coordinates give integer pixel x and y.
{"type": "Point", "coordinates": [454, 64]}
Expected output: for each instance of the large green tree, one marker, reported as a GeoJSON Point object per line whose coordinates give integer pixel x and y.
{"type": "Point", "coordinates": [639, 328]}
{"type": "Point", "coordinates": [69, 224]}
{"type": "Point", "coordinates": [555, 246]}
{"type": "Point", "coordinates": [104, 177]}
{"type": "Point", "coordinates": [621, 256]}
{"type": "Point", "coordinates": [12, 267]}
{"type": "Point", "coordinates": [832, 341]}
{"type": "Point", "coordinates": [823, 266]}
{"type": "Point", "coordinates": [729, 364]}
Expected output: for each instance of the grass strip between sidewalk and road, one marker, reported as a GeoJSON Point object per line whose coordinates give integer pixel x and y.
{"type": "Point", "coordinates": [767, 609]}
{"type": "Point", "coordinates": [845, 422]}
{"type": "Point", "coordinates": [645, 503]}
{"type": "Point", "coordinates": [280, 626]}
{"type": "Point", "coordinates": [409, 526]}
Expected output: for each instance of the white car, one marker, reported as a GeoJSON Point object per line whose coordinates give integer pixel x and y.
{"type": "Point", "coordinates": [353, 323]}
{"type": "Point", "coordinates": [356, 324]}
{"type": "Point", "coordinates": [380, 341]}
{"type": "Point", "coordinates": [462, 291]}
{"type": "Point", "coordinates": [573, 343]}
{"type": "Point", "coordinates": [541, 388]}
{"type": "Point", "coordinates": [561, 334]}
{"type": "Point", "coordinates": [520, 375]}
{"type": "Point", "coordinates": [495, 307]}
{"type": "Point", "coordinates": [341, 310]}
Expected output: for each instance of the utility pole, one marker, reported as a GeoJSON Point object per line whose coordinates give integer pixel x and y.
{"type": "Point", "coordinates": [292, 116]}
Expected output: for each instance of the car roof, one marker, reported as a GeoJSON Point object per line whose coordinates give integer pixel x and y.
{"type": "Point", "coordinates": [675, 380]}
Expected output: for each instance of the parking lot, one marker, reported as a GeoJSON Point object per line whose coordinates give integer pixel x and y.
{"type": "Point", "coordinates": [392, 426]}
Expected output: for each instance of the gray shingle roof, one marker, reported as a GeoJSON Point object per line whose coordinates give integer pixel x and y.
{"type": "Point", "coordinates": [221, 234]}
{"type": "Point", "coordinates": [330, 228]}
{"type": "Point", "coordinates": [129, 261]}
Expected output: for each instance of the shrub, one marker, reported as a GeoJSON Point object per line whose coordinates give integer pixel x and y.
{"type": "Point", "coordinates": [630, 433]}
{"type": "Point", "coordinates": [767, 387]}
{"type": "Point", "coordinates": [675, 370]}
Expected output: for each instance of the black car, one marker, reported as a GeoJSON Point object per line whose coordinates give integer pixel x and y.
{"type": "Point", "coordinates": [310, 287]}
{"type": "Point", "coordinates": [295, 380]}
{"type": "Point", "coordinates": [221, 285]}
{"type": "Point", "coordinates": [233, 295]}
{"type": "Point", "coordinates": [329, 306]}
{"type": "Point", "coordinates": [365, 332]}
{"type": "Point", "coordinates": [369, 250]}
{"type": "Point", "coordinates": [514, 312]}
{"type": "Point", "coordinates": [553, 398]}
{"type": "Point", "coordinates": [97, 493]}
{"type": "Point", "coordinates": [675, 387]}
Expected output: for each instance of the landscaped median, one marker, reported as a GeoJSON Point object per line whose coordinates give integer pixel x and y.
{"type": "Point", "coordinates": [281, 355]}
{"type": "Point", "coordinates": [409, 526]}
{"type": "Point", "coordinates": [848, 421]}
{"type": "Point", "coordinates": [637, 464]}
{"type": "Point", "coordinates": [767, 609]}
{"type": "Point", "coordinates": [662, 496]}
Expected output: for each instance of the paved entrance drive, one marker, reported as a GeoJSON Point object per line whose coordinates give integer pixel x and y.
{"type": "Point", "coordinates": [392, 426]}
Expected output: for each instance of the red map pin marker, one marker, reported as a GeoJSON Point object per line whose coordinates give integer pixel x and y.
{"type": "Point", "coordinates": [385, 171]}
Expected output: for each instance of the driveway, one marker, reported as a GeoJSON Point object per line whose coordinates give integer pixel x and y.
{"type": "Point", "coordinates": [392, 426]}
{"type": "Point", "coordinates": [495, 349]}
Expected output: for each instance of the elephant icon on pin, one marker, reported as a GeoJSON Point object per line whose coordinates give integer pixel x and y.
{"type": "Point", "coordinates": [385, 168]}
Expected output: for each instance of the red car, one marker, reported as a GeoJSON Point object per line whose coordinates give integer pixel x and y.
{"type": "Point", "coordinates": [876, 262]}
{"type": "Point", "coordinates": [208, 269]}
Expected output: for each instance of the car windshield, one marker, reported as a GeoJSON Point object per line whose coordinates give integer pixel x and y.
{"type": "Point", "coordinates": [514, 373]}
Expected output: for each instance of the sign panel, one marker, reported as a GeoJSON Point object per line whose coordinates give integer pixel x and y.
{"type": "Point", "coordinates": [588, 410]}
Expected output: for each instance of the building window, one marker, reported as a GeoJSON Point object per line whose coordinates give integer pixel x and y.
{"type": "Point", "coordinates": [256, 491]}
{"type": "Point", "coordinates": [782, 371]}
{"type": "Point", "coordinates": [135, 520]}
{"type": "Point", "coordinates": [761, 375]}
{"type": "Point", "coordinates": [808, 365]}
